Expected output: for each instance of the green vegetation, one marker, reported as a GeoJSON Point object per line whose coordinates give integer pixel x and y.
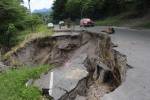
{"type": "Point", "coordinates": [12, 83]}
{"type": "Point", "coordinates": [97, 9]}
{"type": "Point", "coordinates": [15, 18]}
{"type": "Point", "coordinates": [40, 31]}
{"type": "Point", "coordinates": [145, 25]}
{"type": "Point", "coordinates": [112, 21]}
{"type": "Point", "coordinates": [104, 12]}
{"type": "Point", "coordinates": [115, 20]}
{"type": "Point", "coordinates": [125, 19]}
{"type": "Point", "coordinates": [43, 29]}
{"type": "Point", "coordinates": [28, 35]}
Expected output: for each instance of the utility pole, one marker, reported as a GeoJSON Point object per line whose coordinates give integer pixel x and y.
{"type": "Point", "coordinates": [32, 29]}
{"type": "Point", "coordinates": [82, 12]}
{"type": "Point", "coordinates": [29, 6]}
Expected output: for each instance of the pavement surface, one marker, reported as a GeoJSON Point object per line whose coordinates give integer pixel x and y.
{"type": "Point", "coordinates": [136, 45]}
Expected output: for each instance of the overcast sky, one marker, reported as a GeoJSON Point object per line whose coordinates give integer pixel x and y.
{"type": "Point", "coordinates": [39, 4]}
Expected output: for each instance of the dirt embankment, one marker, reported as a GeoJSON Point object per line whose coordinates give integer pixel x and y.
{"type": "Point", "coordinates": [106, 67]}
{"type": "Point", "coordinates": [53, 49]}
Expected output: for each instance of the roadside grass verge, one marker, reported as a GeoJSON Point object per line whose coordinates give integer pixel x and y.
{"type": "Point", "coordinates": [12, 83]}
{"type": "Point", "coordinates": [40, 31]}
{"type": "Point", "coordinates": [129, 19]}
{"type": "Point", "coordinates": [145, 25]}
{"type": "Point", "coordinates": [113, 21]}
{"type": "Point", "coordinates": [118, 20]}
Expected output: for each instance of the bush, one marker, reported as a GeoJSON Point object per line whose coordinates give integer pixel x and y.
{"type": "Point", "coordinates": [7, 39]}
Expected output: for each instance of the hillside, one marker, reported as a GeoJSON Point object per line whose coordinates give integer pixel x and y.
{"type": "Point", "coordinates": [43, 11]}
{"type": "Point", "coordinates": [125, 20]}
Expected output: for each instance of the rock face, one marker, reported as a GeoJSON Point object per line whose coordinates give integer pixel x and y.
{"type": "Point", "coordinates": [100, 68]}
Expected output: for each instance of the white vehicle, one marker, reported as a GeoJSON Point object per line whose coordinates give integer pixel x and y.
{"type": "Point", "coordinates": [50, 25]}
{"type": "Point", "coordinates": [61, 23]}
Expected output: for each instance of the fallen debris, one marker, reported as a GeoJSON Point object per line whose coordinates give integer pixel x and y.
{"type": "Point", "coordinates": [3, 67]}
{"type": "Point", "coordinates": [109, 31]}
{"type": "Point", "coordinates": [29, 82]}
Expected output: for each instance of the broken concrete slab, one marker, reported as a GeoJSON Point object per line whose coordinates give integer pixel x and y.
{"type": "Point", "coordinates": [80, 98]}
{"type": "Point", "coordinates": [66, 81]}
{"type": "Point", "coordinates": [65, 78]}
{"type": "Point", "coordinates": [43, 81]}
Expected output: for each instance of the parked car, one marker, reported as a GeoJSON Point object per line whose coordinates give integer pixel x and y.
{"type": "Point", "coordinates": [50, 25]}
{"type": "Point", "coordinates": [86, 22]}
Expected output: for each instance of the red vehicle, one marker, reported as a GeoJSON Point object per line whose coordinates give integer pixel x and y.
{"type": "Point", "coordinates": [86, 22]}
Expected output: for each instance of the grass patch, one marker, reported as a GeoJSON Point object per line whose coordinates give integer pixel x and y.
{"type": "Point", "coordinates": [27, 36]}
{"type": "Point", "coordinates": [12, 83]}
{"type": "Point", "coordinates": [40, 31]}
{"type": "Point", "coordinates": [129, 19]}
{"type": "Point", "coordinates": [145, 25]}
{"type": "Point", "coordinates": [43, 29]}
{"type": "Point", "coordinates": [117, 20]}
{"type": "Point", "coordinates": [120, 21]}
{"type": "Point", "coordinates": [111, 21]}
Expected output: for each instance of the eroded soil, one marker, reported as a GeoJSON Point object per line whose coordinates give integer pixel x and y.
{"type": "Point", "coordinates": [87, 66]}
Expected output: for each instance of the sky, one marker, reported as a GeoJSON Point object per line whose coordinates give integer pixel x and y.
{"type": "Point", "coordinates": [39, 4]}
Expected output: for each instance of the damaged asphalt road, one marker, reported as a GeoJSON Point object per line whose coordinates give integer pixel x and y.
{"type": "Point", "coordinates": [87, 66]}
{"type": "Point", "coordinates": [136, 45]}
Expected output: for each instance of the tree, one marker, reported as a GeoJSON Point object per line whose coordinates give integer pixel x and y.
{"type": "Point", "coordinates": [59, 9]}
{"type": "Point", "coordinates": [96, 9]}
{"type": "Point", "coordinates": [142, 6]}
{"type": "Point", "coordinates": [13, 17]}
{"type": "Point", "coordinates": [73, 9]}
{"type": "Point", "coordinates": [11, 13]}
{"type": "Point", "coordinates": [29, 5]}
